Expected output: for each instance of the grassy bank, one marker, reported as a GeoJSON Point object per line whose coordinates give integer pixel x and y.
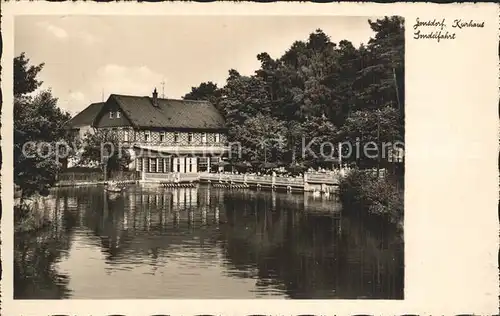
{"type": "Point", "coordinates": [364, 193]}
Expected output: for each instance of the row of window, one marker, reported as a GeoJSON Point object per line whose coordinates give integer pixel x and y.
{"type": "Point", "coordinates": [147, 134]}
{"type": "Point", "coordinates": [147, 137]}
{"type": "Point", "coordinates": [165, 165]}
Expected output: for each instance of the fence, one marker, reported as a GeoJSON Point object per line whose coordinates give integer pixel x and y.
{"type": "Point", "coordinates": [80, 176]}
{"type": "Point", "coordinates": [269, 180]}
{"type": "Point", "coordinates": [329, 178]}
{"type": "Point", "coordinates": [319, 177]}
{"type": "Point", "coordinates": [125, 175]}
{"type": "Point", "coordinates": [171, 177]}
{"type": "Point", "coordinates": [93, 176]}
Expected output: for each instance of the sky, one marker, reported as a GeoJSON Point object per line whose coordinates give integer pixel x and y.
{"type": "Point", "coordinates": [87, 58]}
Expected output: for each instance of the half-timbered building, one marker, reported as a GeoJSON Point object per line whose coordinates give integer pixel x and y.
{"type": "Point", "coordinates": [163, 135]}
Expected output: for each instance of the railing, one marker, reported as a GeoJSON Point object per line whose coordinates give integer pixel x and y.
{"type": "Point", "coordinates": [318, 177]}
{"type": "Point", "coordinates": [80, 176]}
{"type": "Point", "coordinates": [171, 177]}
{"type": "Point", "coordinates": [94, 176]}
{"type": "Point", "coordinates": [124, 175]}
{"type": "Point", "coordinates": [290, 180]}
{"type": "Point", "coordinates": [330, 178]}
{"type": "Point", "coordinates": [252, 179]}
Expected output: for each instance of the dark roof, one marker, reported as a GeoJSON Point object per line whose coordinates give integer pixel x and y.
{"type": "Point", "coordinates": [87, 116]}
{"type": "Point", "coordinates": [170, 113]}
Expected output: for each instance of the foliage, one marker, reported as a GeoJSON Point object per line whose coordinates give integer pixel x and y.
{"type": "Point", "coordinates": [322, 135]}
{"type": "Point", "coordinates": [381, 127]}
{"type": "Point", "coordinates": [39, 126]}
{"type": "Point", "coordinates": [262, 138]}
{"type": "Point", "coordinates": [105, 149]}
{"type": "Point", "coordinates": [364, 192]}
{"type": "Point", "coordinates": [25, 80]}
{"type": "Point", "coordinates": [27, 219]}
{"type": "Point", "coordinates": [205, 91]}
{"type": "Point", "coordinates": [318, 89]}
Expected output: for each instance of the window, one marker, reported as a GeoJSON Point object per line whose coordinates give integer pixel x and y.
{"type": "Point", "coordinates": [176, 137]}
{"type": "Point", "coordinates": [162, 136]}
{"type": "Point", "coordinates": [160, 165]}
{"type": "Point", "coordinates": [152, 164]}
{"type": "Point", "coordinates": [167, 165]}
{"type": "Point", "coordinates": [190, 161]}
{"type": "Point", "coordinates": [117, 114]}
{"type": "Point", "coordinates": [214, 160]}
{"type": "Point", "coordinates": [138, 164]}
{"type": "Point", "coordinates": [217, 137]}
{"type": "Point", "coordinates": [203, 164]}
{"type": "Point", "coordinates": [125, 135]}
{"type": "Point", "coordinates": [147, 136]}
{"type": "Point", "coordinates": [204, 138]}
{"type": "Point", "coordinates": [190, 137]}
{"type": "Point", "coordinates": [111, 114]}
{"type": "Point", "coordinates": [178, 169]}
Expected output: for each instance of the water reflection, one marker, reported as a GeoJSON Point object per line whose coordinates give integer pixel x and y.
{"type": "Point", "coordinates": [205, 243]}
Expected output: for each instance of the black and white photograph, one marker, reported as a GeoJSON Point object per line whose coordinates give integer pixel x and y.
{"type": "Point", "coordinates": [203, 157]}
{"type": "Point", "coordinates": [249, 158]}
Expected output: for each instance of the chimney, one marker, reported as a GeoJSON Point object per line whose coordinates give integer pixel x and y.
{"type": "Point", "coordinates": [155, 98]}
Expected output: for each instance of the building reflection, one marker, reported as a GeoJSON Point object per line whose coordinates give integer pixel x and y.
{"type": "Point", "coordinates": [292, 244]}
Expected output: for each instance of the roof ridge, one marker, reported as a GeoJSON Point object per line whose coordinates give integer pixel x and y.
{"type": "Point", "coordinates": [166, 99]}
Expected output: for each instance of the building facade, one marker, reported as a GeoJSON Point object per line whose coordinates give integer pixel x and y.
{"type": "Point", "coordinates": [163, 135]}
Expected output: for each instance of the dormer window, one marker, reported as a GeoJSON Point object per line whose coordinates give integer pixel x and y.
{"type": "Point", "coordinates": [190, 137]}
{"type": "Point", "coordinates": [147, 136]}
{"type": "Point", "coordinates": [111, 114]}
{"type": "Point", "coordinates": [204, 138]}
{"type": "Point", "coordinates": [217, 137]}
{"type": "Point", "coordinates": [117, 114]}
{"type": "Point", "coordinates": [176, 137]}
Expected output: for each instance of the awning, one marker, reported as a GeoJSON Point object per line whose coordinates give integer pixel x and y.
{"type": "Point", "coordinates": [182, 150]}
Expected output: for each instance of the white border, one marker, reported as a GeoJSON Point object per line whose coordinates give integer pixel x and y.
{"type": "Point", "coordinates": [451, 224]}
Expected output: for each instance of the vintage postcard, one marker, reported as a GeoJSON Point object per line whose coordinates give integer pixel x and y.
{"type": "Point", "coordinates": [245, 158]}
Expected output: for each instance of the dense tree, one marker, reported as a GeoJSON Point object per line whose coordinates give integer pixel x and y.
{"type": "Point", "coordinates": [262, 137]}
{"type": "Point", "coordinates": [320, 135]}
{"type": "Point", "coordinates": [105, 150]}
{"type": "Point", "coordinates": [320, 90]}
{"type": "Point", "coordinates": [244, 97]}
{"type": "Point", "coordinates": [39, 127]}
{"type": "Point", "coordinates": [380, 81]}
{"type": "Point", "coordinates": [25, 75]}
{"type": "Point", "coordinates": [205, 91]}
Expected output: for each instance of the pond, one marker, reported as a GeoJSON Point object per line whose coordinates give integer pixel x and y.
{"type": "Point", "coordinates": [202, 243]}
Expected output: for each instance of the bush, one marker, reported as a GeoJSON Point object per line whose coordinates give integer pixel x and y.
{"type": "Point", "coordinates": [27, 218]}
{"type": "Point", "coordinates": [364, 192]}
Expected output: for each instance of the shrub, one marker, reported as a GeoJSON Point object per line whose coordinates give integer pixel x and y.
{"type": "Point", "coordinates": [364, 192]}
{"type": "Point", "coordinates": [28, 218]}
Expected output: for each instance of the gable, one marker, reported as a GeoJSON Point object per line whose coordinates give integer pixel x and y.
{"type": "Point", "coordinates": [103, 118]}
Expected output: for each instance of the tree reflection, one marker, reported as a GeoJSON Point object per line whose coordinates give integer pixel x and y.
{"type": "Point", "coordinates": [35, 255]}
{"type": "Point", "coordinates": [290, 244]}
{"type": "Point", "coordinates": [306, 255]}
